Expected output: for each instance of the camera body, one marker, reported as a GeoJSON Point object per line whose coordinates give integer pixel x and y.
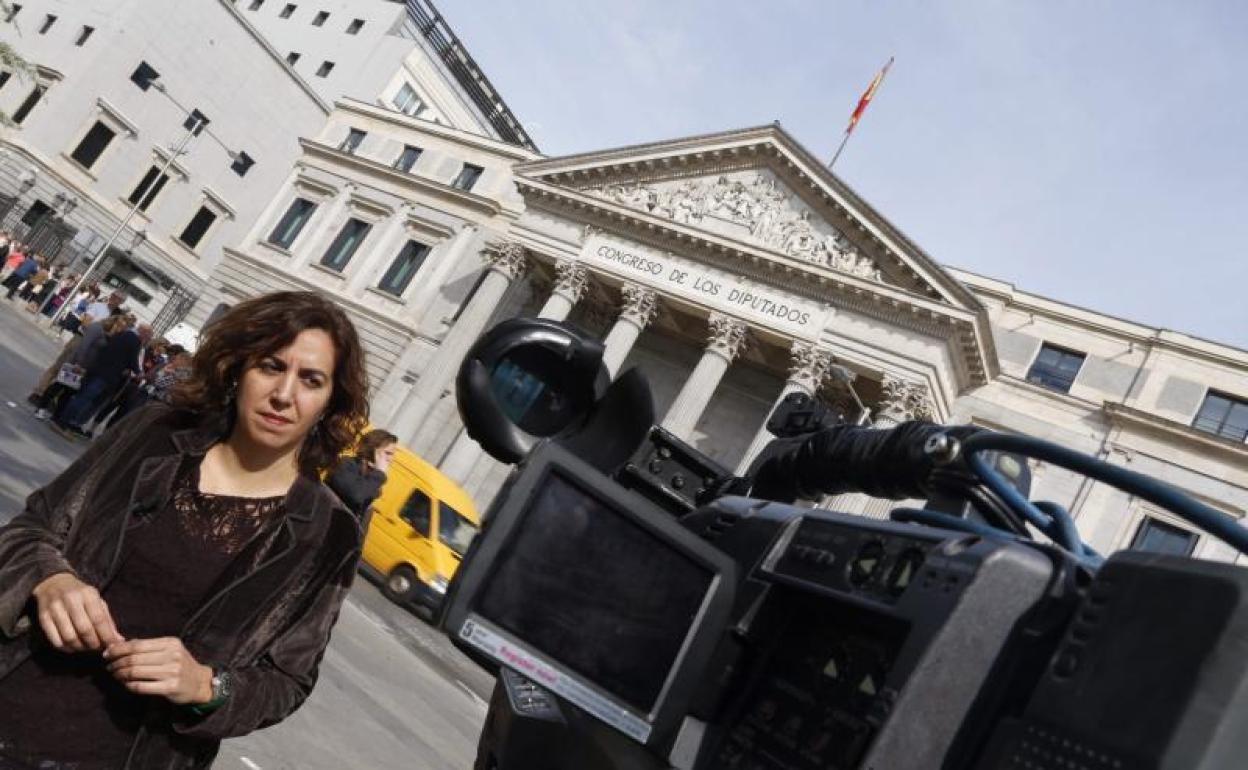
{"type": "Point", "coordinates": [642, 616]}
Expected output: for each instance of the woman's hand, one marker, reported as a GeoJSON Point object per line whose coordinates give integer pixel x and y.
{"type": "Point", "coordinates": [73, 615]}
{"type": "Point", "coordinates": [161, 667]}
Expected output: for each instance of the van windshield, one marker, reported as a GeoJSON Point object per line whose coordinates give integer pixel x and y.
{"type": "Point", "coordinates": [454, 530]}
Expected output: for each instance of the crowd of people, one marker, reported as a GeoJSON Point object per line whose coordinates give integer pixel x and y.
{"type": "Point", "coordinates": [111, 364]}
{"type": "Point", "coordinates": [42, 287]}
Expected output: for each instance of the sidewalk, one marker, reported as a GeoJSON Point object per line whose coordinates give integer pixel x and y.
{"type": "Point", "coordinates": [32, 454]}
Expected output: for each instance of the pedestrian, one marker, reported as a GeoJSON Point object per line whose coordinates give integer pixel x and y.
{"type": "Point", "coordinates": [99, 309]}
{"type": "Point", "coordinates": [28, 267]}
{"type": "Point", "coordinates": [42, 396]}
{"type": "Point", "coordinates": [35, 281]}
{"type": "Point", "coordinates": [133, 391]}
{"type": "Point", "coordinates": [176, 370]}
{"type": "Point", "coordinates": [72, 320]}
{"type": "Point", "coordinates": [105, 374]}
{"type": "Point", "coordinates": [13, 257]}
{"type": "Point", "coordinates": [357, 480]}
{"type": "Point", "coordinates": [207, 564]}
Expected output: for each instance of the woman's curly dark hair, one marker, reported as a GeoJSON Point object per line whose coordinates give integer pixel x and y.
{"type": "Point", "coordinates": [258, 327]}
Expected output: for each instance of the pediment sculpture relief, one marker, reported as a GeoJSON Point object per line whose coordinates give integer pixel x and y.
{"type": "Point", "coordinates": [760, 206]}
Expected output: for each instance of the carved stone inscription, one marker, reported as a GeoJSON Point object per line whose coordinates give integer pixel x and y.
{"type": "Point", "coordinates": [756, 209]}
{"type": "Point", "coordinates": [718, 289]}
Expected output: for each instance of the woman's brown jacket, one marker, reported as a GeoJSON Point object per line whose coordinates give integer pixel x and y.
{"type": "Point", "coordinates": [268, 620]}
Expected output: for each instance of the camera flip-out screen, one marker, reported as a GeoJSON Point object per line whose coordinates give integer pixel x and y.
{"type": "Point", "coordinates": [594, 594]}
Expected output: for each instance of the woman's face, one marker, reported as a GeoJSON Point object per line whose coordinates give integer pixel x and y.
{"type": "Point", "coordinates": [384, 455]}
{"type": "Point", "coordinates": [283, 395]}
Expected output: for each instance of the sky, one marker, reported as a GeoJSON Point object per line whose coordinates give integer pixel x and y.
{"type": "Point", "coordinates": [1095, 152]}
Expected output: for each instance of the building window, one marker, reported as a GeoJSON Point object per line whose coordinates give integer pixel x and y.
{"type": "Point", "coordinates": [292, 222]}
{"type": "Point", "coordinates": [324, 70]}
{"type": "Point", "coordinates": [84, 36]}
{"type": "Point", "coordinates": [320, 19]}
{"type": "Point", "coordinates": [48, 21]}
{"type": "Point", "coordinates": [293, 57]}
{"type": "Point", "coordinates": [93, 145]}
{"type": "Point", "coordinates": [345, 244]}
{"type": "Point", "coordinates": [194, 231]}
{"type": "Point", "coordinates": [255, 5]}
{"type": "Point", "coordinates": [14, 8]}
{"type": "Point", "coordinates": [287, 11]}
{"type": "Point", "coordinates": [37, 211]}
{"type": "Point", "coordinates": [354, 138]}
{"type": "Point", "coordinates": [29, 104]}
{"type": "Point", "coordinates": [407, 158]}
{"type": "Point", "coordinates": [196, 122]}
{"type": "Point", "coordinates": [407, 101]}
{"type": "Point", "coordinates": [1224, 416]}
{"type": "Point", "coordinates": [1055, 368]}
{"type": "Point", "coordinates": [148, 188]}
{"type": "Point", "coordinates": [1159, 537]}
{"type": "Point", "coordinates": [397, 278]}
{"type": "Point", "coordinates": [467, 177]}
{"type": "Point", "coordinates": [143, 76]}
{"type": "Point", "coordinates": [242, 163]}
{"type": "Point", "coordinates": [355, 26]}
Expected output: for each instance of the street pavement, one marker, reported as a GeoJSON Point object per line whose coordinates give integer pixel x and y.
{"type": "Point", "coordinates": [393, 692]}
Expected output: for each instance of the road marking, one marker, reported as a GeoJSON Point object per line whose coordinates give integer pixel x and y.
{"type": "Point", "coordinates": [11, 404]}
{"type": "Point", "coordinates": [250, 765]}
{"type": "Point", "coordinates": [475, 698]}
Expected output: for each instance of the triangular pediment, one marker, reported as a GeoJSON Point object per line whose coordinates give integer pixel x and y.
{"type": "Point", "coordinates": [756, 202]}
{"type": "Point", "coordinates": [758, 187]}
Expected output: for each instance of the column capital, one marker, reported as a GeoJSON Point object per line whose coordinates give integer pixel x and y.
{"type": "Point", "coordinates": [903, 400]}
{"type": "Point", "coordinates": [507, 257]}
{"type": "Point", "coordinates": [727, 336]}
{"type": "Point", "coordinates": [641, 305]}
{"type": "Point", "coordinates": [808, 365]}
{"type": "Point", "coordinates": [571, 279]}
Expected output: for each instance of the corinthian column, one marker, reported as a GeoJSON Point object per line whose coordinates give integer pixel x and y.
{"type": "Point", "coordinates": [506, 263]}
{"type": "Point", "coordinates": [808, 366]}
{"type": "Point", "coordinates": [571, 280]}
{"type": "Point", "coordinates": [641, 305]}
{"type": "Point", "coordinates": [726, 341]}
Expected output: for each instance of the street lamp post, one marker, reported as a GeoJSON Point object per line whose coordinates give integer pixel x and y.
{"type": "Point", "coordinates": [138, 200]}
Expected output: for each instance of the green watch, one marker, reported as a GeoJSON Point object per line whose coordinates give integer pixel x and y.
{"type": "Point", "coordinates": [221, 687]}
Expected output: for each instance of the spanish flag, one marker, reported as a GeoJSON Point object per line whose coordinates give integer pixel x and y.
{"type": "Point", "coordinates": [868, 95]}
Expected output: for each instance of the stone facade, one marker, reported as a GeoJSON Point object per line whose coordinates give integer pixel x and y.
{"type": "Point", "coordinates": [734, 269]}
{"type": "Point", "coordinates": [228, 60]}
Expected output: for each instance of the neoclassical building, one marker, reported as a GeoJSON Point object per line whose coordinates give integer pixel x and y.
{"type": "Point", "coordinates": [733, 268]}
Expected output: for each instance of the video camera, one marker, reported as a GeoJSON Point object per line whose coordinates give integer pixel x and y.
{"type": "Point", "coordinates": [645, 609]}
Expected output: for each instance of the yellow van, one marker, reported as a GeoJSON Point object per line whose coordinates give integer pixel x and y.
{"type": "Point", "coordinates": [421, 527]}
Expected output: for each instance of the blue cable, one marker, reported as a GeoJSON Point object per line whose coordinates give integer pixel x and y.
{"type": "Point", "coordinates": [1054, 520]}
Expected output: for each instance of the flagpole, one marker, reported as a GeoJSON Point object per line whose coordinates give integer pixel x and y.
{"type": "Point", "coordinates": [837, 154]}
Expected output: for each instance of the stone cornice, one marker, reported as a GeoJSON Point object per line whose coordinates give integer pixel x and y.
{"type": "Point", "coordinates": [965, 328]}
{"type": "Point", "coordinates": [1107, 325]}
{"type": "Point", "coordinates": [468, 139]}
{"type": "Point", "coordinates": [1180, 433]}
{"type": "Point", "coordinates": [763, 142]}
{"type": "Point", "coordinates": [401, 179]}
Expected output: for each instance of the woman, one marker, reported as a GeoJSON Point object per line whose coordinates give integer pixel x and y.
{"type": "Point", "coordinates": [358, 480]}
{"type": "Point", "coordinates": [178, 583]}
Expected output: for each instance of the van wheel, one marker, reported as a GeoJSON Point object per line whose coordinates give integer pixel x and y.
{"type": "Point", "coordinates": [401, 584]}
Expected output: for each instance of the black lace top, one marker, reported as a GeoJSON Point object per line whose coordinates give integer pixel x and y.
{"type": "Point", "coordinates": [64, 711]}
